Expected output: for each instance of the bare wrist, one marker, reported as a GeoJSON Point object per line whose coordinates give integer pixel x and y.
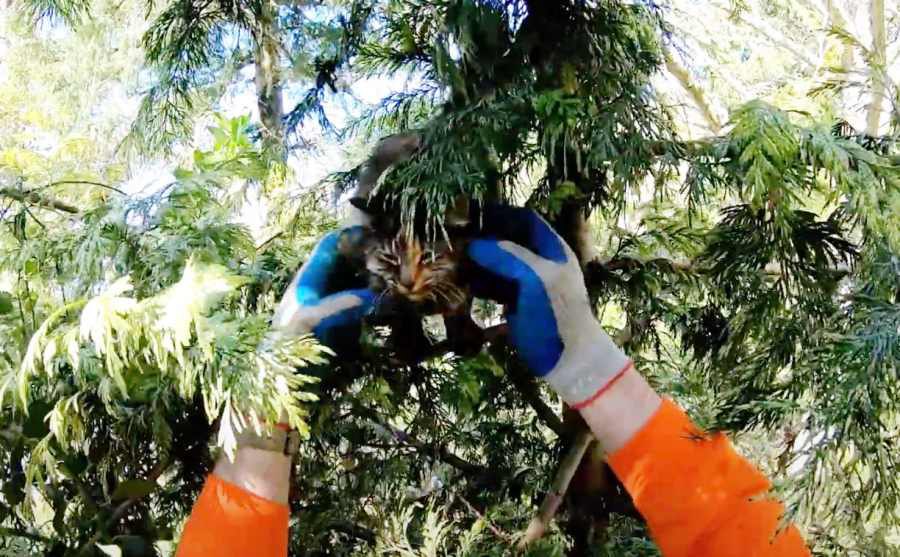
{"type": "Point", "coordinates": [621, 410]}
{"type": "Point", "coordinates": [261, 472]}
{"type": "Point", "coordinates": [262, 461]}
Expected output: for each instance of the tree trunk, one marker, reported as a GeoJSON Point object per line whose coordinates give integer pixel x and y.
{"type": "Point", "coordinates": [877, 65]}
{"type": "Point", "coordinates": [268, 80]}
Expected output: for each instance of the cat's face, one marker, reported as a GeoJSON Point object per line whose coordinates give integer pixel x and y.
{"type": "Point", "coordinates": [420, 271]}
{"type": "Point", "coordinates": [407, 261]}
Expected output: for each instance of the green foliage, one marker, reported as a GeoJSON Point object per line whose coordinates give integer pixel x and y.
{"type": "Point", "coordinates": [752, 275]}
{"type": "Point", "coordinates": [164, 331]}
{"type": "Point", "coordinates": [69, 11]}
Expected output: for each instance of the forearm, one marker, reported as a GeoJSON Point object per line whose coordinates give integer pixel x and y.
{"type": "Point", "coordinates": [698, 496]}
{"type": "Point", "coordinates": [263, 473]}
{"type": "Point", "coordinates": [621, 410]}
{"type": "Point", "coordinates": [694, 490]}
{"type": "Point", "coordinates": [242, 509]}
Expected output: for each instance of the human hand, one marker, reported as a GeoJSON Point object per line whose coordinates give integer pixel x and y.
{"type": "Point", "coordinates": [525, 265]}
{"type": "Point", "coordinates": [319, 299]}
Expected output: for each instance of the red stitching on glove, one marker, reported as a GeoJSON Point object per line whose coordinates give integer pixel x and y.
{"type": "Point", "coordinates": [604, 388]}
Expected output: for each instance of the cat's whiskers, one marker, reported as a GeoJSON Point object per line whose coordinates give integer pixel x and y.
{"type": "Point", "coordinates": [417, 271]}
{"type": "Point", "coordinates": [380, 297]}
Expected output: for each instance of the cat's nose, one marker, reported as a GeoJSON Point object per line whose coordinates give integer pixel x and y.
{"type": "Point", "coordinates": [403, 287]}
{"type": "Point", "coordinates": [407, 279]}
{"type": "Point", "coordinates": [412, 290]}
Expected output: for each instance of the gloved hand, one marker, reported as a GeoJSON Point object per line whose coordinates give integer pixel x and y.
{"type": "Point", "coordinates": [320, 299]}
{"type": "Point", "coordinates": [526, 266]}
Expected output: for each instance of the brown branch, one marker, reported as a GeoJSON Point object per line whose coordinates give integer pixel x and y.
{"type": "Point", "coordinates": [631, 264]}
{"type": "Point", "coordinates": [268, 81]}
{"type": "Point", "coordinates": [684, 79]}
{"type": "Point", "coordinates": [524, 382]}
{"type": "Point", "coordinates": [497, 531]}
{"type": "Point", "coordinates": [558, 488]}
{"type": "Point", "coordinates": [128, 503]}
{"type": "Point", "coordinates": [496, 333]}
{"type": "Point", "coordinates": [29, 196]}
{"type": "Point", "coordinates": [775, 37]}
{"type": "Point", "coordinates": [877, 65]}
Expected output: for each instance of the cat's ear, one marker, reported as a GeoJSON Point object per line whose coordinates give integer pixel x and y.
{"type": "Point", "coordinates": [364, 212]}
{"type": "Point", "coordinates": [457, 215]}
{"type": "Point", "coordinates": [374, 215]}
{"type": "Point", "coordinates": [362, 204]}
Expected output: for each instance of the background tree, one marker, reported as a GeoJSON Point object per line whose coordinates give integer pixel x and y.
{"type": "Point", "coordinates": [746, 255]}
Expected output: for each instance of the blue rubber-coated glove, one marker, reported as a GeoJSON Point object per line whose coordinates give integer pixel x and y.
{"type": "Point", "coordinates": [552, 326]}
{"type": "Point", "coordinates": [318, 299]}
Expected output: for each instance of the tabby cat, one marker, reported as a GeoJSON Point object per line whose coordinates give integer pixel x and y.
{"type": "Point", "coordinates": [415, 272]}
{"type": "Point", "coordinates": [418, 271]}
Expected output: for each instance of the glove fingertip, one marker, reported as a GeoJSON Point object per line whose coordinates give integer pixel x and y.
{"type": "Point", "coordinates": [367, 298]}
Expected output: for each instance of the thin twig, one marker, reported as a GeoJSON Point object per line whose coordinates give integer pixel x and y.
{"type": "Point", "coordinates": [6, 209]}
{"type": "Point", "coordinates": [558, 488]}
{"type": "Point", "coordinates": [489, 335]}
{"type": "Point", "coordinates": [89, 182]}
{"type": "Point", "coordinates": [442, 452]}
{"type": "Point", "coordinates": [265, 244]}
{"type": "Point", "coordinates": [352, 529]}
{"type": "Point", "coordinates": [37, 220]}
{"type": "Point", "coordinates": [775, 37]}
{"type": "Point", "coordinates": [497, 531]}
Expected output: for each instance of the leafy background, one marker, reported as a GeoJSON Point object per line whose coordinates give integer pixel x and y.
{"type": "Point", "coordinates": [166, 166]}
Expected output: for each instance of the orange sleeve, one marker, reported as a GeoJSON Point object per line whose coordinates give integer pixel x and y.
{"type": "Point", "coordinates": [698, 496]}
{"type": "Point", "coordinates": [228, 521]}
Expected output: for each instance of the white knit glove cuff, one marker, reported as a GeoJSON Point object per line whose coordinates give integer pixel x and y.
{"type": "Point", "coordinates": [587, 366]}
